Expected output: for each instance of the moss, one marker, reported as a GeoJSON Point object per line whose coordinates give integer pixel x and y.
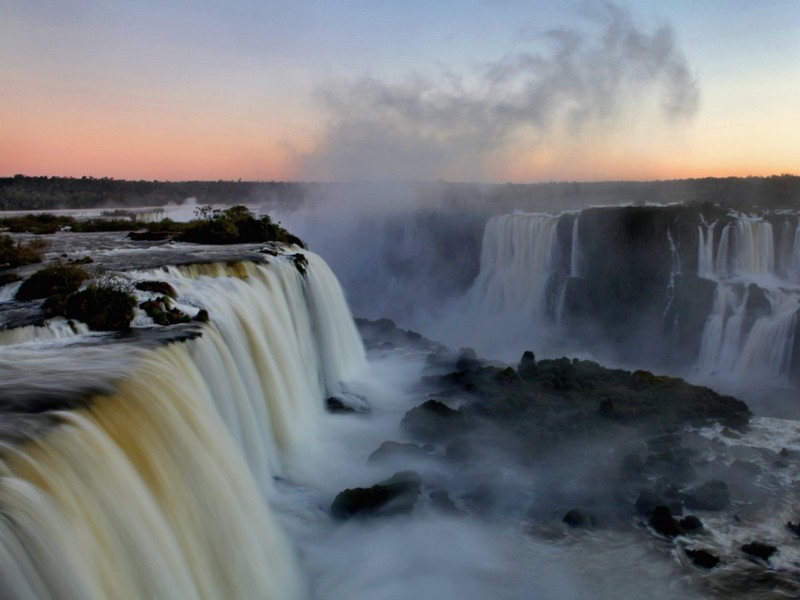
{"type": "Point", "coordinates": [162, 313]}
{"type": "Point", "coordinates": [103, 307]}
{"type": "Point", "coordinates": [56, 279]}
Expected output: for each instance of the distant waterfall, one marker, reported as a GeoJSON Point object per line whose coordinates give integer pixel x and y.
{"type": "Point", "coordinates": [516, 261]}
{"type": "Point", "coordinates": [575, 254]}
{"type": "Point", "coordinates": [158, 490]}
{"type": "Point", "coordinates": [734, 340]}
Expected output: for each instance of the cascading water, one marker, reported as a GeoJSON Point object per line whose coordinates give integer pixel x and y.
{"type": "Point", "coordinates": [752, 324]}
{"type": "Point", "coordinates": [157, 490]}
{"type": "Point", "coordinates": [516, 261]}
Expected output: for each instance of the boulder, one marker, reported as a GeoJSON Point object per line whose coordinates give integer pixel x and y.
{"type": "Point", "coordinates": [702, 558]}
{"type": "Point", "coordinates": [395, 495]}
{"type": "Point", "coordinates": [432, 421]}
{"type": "Point", "coordinates": [664, 523]}
{"type": "Point", "coordinates": [577, 517]}
{"type": "Point", "coordinates": [396, 450]}
{"type": "Point", "coordinates": [759, 550]}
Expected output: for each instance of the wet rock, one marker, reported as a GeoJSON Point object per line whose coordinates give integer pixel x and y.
{"type": "Point", "coordinates": [395, 495]}
{"type": "Point", "coordinates": [202, 316]}
{"type": "Point", "coordinates": [432, 421]}
{"type": "Point", "coordinates": [335, 405]}
{"type": "Point", "coordinates": [664, 523]}
{"type": "Point", "coordinates": [467, 360]}
{"type": "Point", "coordinates": [702, 558]}
{"type": "Point", "coordinates": [162, 288]}
{"type": "Point", "coordinates": [690, 523]}
{"type": "Point", "coordinates": [397, 451]}
{"type": "Point", "coordinates": [162, 314]}
{"type": "Point", "coordinates": [794, 528]}
{"type": "Point", "coordinates": [759, 550]}
{"type": "Point", "coordinates": [577, 517]}
{"type": "Point", "coordinates": [527, 368]}
{"type": "Point", "coordinates": [713, 495]}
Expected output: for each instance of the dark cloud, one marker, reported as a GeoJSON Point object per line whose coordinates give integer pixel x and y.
{"type": "Point", "coordinates": [566, 80]}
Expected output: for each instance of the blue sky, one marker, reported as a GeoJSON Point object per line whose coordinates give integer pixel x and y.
{"type": "Point", "coordinates": [208, 89]}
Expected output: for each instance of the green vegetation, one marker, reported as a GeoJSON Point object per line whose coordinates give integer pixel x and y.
{"type": "Point", "coordinates": [104, 306]}
{"type": "Point", "coordinates": [163, 313]}
{"type": "Point", "coordinates": [56, 280]}
{"type": "Point", "coordinates": [235, 225]}
{"type": "Point", "coordinates": [16, 254]}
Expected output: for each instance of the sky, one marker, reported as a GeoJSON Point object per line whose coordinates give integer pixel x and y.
{"type": "Point", "coordinates": [461, 90]}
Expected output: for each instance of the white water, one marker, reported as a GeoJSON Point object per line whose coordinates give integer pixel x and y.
{"type": "Point", "coordinates": [160, 489]}
{"type": "Point", "coordinates": [733, 341]}
{"type": "Point", "coordinates": [516, 261]}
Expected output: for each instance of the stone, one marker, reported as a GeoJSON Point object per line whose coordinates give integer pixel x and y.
{"type": "Point", "coordinates": [702, 558]}
{"type": "Point", "coordinates": [395, 495]}
{"type": "Point", "coordinates": [759, 550]}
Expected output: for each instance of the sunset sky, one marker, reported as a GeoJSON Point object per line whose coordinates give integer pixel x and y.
{"type": "Point", "coordinates": [491, 90]}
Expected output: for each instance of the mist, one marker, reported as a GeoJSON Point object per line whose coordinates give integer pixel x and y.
{"type": "Point", "coordinates": [554, 85]}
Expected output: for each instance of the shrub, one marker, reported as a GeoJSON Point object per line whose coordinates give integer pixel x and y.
{"type": "Point", "coordinates": [15, 254]}
{"type": "Point", "coordinates": [57, 279]}
{"type": "Point", "coordinates": [102, 306]}
{"type": "Point", "coordinates": [235, 225]}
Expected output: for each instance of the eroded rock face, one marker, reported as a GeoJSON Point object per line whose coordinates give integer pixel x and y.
{"type": "Point", "coordinates": [759, 550]}
{"type": "Point", "coordinates": [702, 558]}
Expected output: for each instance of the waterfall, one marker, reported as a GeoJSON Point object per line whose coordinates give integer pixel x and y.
{"type": "Point", "coordinates": [516, 261]}
{"type": "Point", "coordinates": [575, 254]}
{"type": "Point", "coordinates": [159, 489]}
{"type": "Point", "coordinates": [705, 249]}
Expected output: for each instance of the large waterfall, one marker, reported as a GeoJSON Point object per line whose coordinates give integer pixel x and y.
{"type": "Point", "coordinates": [160, 488]}
{"type": "Point", "coordinates": [643, 293]}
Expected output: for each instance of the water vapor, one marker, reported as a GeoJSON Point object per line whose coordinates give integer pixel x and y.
{"type": "Point", "coordinates": [563, 81]}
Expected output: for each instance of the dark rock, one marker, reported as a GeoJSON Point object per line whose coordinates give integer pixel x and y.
{"type": "Point", "coordinates": [151, 236]}
{"type": "Point", "coordinates": [432, 421]}
{"type": "Point", "coordinates": [467, 360]}
{"type": "Point", "coordinates": [162, 314]}
{"type": "Point", "coordinates": [664, 523]}
{"type": "Point", "coordinates": [162, 288]}
{"type": "Point", "coordinates": [712, 495]}
{"type": "Point", "coordinates": [702, 558]}
{"type": "Point", "coordinates": [691, 523]}
{"type": "Point", "coordinates": [794, 528]}
{"type": "Point", "coordinates": [527, 368]}
{"type": "Point", "coordinates": [577, 517]}
{"type": "Point", "coordinates": [759, 550]}
{"type": "Point", "coordinates": [202, 316]}
{"type": "Point", "coordinates": [396, 450]}
{"type": "Point", "coordinates": [335, 405]}
{"type": "Point", "coordinates": [606, 409]}
{"type": "Point", "coordinates": [395, 495]}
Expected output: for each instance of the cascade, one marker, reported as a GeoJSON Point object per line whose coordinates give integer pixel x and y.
{"type": "Point", "coordinates": [517, 259]}
{"type": "Point", "coordinates": [575, 254]}
{"type": "Point", "coordinates": [159, 488]}
{"type": "Point", "coordinates": [705, 249]}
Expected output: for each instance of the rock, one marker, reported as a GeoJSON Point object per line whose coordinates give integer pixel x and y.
{"type": "Point", "coordinates": [759, 550]}
{"type": "Point", "coordinates": [527, 368]}
{"type": "Point", "coordinates": [702, 558]}
{"type": "Point", "coordinates": [335, 405]}
{"type": "Point", "coordinates": [396, 450]}
{"type": "Point", "coordinates": [577, 517]}
{"type": "Point", "coordinates": [646, 501]}
{"type": "Point", "coordinates": [467, 360]}
{"type": "Point", "coordinates": [395, 495]}
{"type": "Point", "coordinates": [159, 310]}
{"type": "Point", "coordinates": [664, 523]}
{"type": "Point", "coordinates": [432, 421]}
{"type": "Point", "coordinates": [794, 528]}
{"type": "Point", "coordinates": [690, 523]}
{"type": "Point", "coordinates": [712, 495]}
{"type": "Point", "coordinates": [202, 316]}
{"type": "Point", "coordinates": [162, 288]}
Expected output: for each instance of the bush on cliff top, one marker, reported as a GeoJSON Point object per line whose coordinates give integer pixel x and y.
{"type": "Point", "coordinates": [56, 279]}
{"type": "Point", "coordinates": [102, 306]}
{"type": "Point", "coordinates": [235, 225]}
{"type": "Point", "coordinates": [16, 254]}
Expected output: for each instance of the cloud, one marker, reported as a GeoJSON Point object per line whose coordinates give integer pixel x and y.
{"type": "Point", "coordinates": [566, 80]}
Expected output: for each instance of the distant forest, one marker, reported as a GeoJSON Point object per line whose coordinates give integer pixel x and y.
{"type": "Point", "coordinates": [41, 193]}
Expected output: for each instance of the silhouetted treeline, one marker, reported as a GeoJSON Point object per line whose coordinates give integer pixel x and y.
{"type": "Point", "coordinates": [41, 193]}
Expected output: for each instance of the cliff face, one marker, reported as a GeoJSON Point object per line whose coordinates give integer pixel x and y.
{"type": "Point", "coordinates": [676, 286]}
